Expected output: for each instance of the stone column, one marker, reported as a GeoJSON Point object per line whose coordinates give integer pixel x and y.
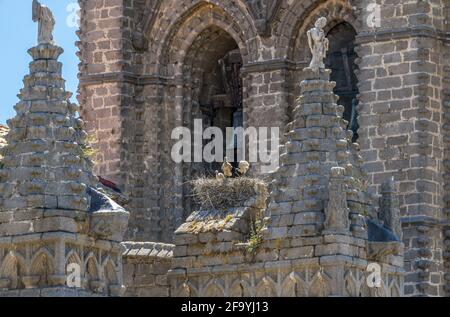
{"type": "Point", "coordinates": [266, 101]}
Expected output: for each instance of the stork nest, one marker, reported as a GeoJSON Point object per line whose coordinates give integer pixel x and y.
{"type": "Point", "coordinates": [210, 193]}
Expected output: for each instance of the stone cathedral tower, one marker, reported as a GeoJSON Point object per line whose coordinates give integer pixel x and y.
{"type": "Point", "coordinates": [148, 66]}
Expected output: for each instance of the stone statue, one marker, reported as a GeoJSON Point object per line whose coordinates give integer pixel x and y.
{"type": "Point", "coordinates": [337, 210]}
{"type": "Point", "coordinates": [46, 22]}
{"type": "Point", "coordinates": [318, 44]}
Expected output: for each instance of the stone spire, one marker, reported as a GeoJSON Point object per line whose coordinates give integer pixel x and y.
{"type": "Point", "coordinates": [320, 158]}
{"type": "Point", "coordinates": [59, 236]}
{"type": "Point", "coordinates": [43, 162]}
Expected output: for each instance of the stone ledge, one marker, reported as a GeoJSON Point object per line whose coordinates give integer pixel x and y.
{"type": "Point", "coordinates": [148, 250]}
{"type": "Point", "coordinates": [67, 237]}
{"type": "Point", "coordinates": [49, 292]}
{"type": "Point", "coordinates": [400, 33]}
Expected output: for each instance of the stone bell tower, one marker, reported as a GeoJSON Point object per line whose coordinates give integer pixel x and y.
{"type": "Point", "coordinates": [59, 236]}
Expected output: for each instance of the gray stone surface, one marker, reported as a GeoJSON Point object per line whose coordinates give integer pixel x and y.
{"type": "Point", "coordinates": [52, 219]}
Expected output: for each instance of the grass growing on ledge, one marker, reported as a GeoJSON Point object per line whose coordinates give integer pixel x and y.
{"type": "Point", "coordinates": [255, 238]}
{"type": "Point", "coordinates": [88, 150]}
{"type": "Point", "coordinates": [210, 193]}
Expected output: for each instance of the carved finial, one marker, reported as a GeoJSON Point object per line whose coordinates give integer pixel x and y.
{"type": "Point", "coordinates": [337, 210]}
{"type": "Point", "coordinates": [389, 186]}
{"type": "Point", "coordinates": [390, 208]}
{"type": "Point", "coordinates": [318, 44]}
{"type": "Point", "coordinates": [46, 23]}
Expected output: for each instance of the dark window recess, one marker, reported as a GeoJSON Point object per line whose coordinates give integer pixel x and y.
{"type": "Point", "coordinates": [341, 60]}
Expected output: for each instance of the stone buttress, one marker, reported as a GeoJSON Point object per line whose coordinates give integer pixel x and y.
{"type": "Point", "coordinates": [59, 236]}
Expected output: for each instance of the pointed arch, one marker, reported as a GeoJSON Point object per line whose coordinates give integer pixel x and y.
{"type": "Point", "coordinates": [110, 273]}
{"type": "Point", "coordinates": [294, 286]}
{"type": "Point", "coordinates": [73, 257]}
{"type": "Point", "coordinates": [10, 271]}
{"type": "Point", "coordinates": [266, 288]}
{"type": "Point", "coordinates": [42, 266]}
{"type": "Point", "coordinates": [364, 290]}
{"type": "Point", "coordinates": [174, 55]}
{"type": "Point", "coordinates": [213, 289]}
{"type": "Point", "coordinates": [181, 29]}
{"type": "Point", "coordinates": [240, 288]}
{"type": "Point", "coordinates": [380, 291]}
{"type": "Point", "coordinates": [320, 286]}
{"type": "Point", "coordinates": [186, 289]}
{"type": "Point", "coordinates": [301, 16]}
{"type": "Point", "coordinates": [350, 285]}
{"type": "Point", "coordinates": [92, 267]}
{"type": "Point", "coordinates": [394, 289]}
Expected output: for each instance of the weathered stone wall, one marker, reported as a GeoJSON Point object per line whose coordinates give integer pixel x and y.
{"type": "Point", "coordinates": [400, 83]}
{"type": "Point", "coordinates": [145, 267]}
{"type": "Point", "coordinates": [446, 130]}
{"type": "Point", "coordinates": [104, 94]}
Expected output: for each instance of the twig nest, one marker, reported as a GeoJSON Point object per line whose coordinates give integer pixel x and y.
{"type": "Point", "coordinates": [211, 194]}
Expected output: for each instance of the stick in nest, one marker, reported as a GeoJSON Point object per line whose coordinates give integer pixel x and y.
{"type": "Point", "coordinates": [224, 194]}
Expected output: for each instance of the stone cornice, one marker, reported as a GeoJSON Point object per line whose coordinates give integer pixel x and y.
{"type": "Point", "coordinates": [401, 33]}
{"type": "Point", "coordinates": [121, 77]}
{"type": "Point", "coordinates": [284, 265]}
{"type": "Point", "coordinates": [425, 220]}
{"type": "Point", "coordinates": [94, 79]}
{"type": "Point", "coordinates": [125, 77]}
{"type": "Point", "coordinates": [271, 65]}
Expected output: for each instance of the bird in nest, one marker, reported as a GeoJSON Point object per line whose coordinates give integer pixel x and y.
{"type": "Point", "coordinates": [243, 168]}
{"type": "Point", "coordinates": [219, 176]}
{"type": "Point", "coordinates": [227, 168]}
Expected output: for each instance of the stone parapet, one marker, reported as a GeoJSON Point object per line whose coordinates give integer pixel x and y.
{"type": "Point", "coordinates": [146, 265]}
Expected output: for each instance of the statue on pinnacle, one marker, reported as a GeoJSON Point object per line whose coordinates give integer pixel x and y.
{"type": "Point", "coordinates": [46, 22]}
{"type": "Point", "coordinates": [319, 44]}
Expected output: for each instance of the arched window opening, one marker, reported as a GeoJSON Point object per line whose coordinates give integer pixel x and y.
{"type": "Point", "coordinates": [341, 60]}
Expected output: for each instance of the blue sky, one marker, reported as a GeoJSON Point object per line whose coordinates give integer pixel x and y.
{"type": "Point", "coordinates": [18, 33]}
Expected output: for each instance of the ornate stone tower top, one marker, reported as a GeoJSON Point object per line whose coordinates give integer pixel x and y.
{"type": "Point", "coordinates": [59, 236]}
{"type": "Point", "coordinates": [43, 162]}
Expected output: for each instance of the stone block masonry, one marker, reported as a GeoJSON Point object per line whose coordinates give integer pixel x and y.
{"type": "Point", "coordinates": [59, 236]}
{"type": "Point", "coordinates": [144, 64]}
{"type": "Point", "coordinates": [402, 129]}
{"type": "Point", "coordinates": [145, 267]}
